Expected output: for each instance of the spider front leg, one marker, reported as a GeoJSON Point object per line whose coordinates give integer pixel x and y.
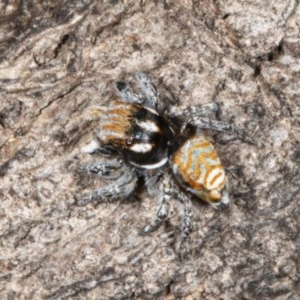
{"type": "Point", "coordinates": [162, 209]}
{"type": "Point", "coordinates": [122, 188]}
{"type": "Point", "coordinates": [128, 95]}
{"type": "Point", "coordinates": [148, 89]}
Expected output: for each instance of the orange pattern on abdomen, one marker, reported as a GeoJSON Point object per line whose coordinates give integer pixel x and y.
{"type": "Point", "coordinates": [197, 163]}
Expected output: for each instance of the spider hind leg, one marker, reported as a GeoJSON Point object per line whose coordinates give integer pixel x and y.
{"type": "Point", "coordinates": [162, 208]}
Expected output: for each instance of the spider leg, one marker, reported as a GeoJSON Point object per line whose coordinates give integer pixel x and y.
{"type": "Point", "coordinates": [203, 110]}
{"type": "Point", "coordinates": [206, 123]}
{"type": "Point", "coordinates": [127, 94]}
{"type": "Point", "coordinates": [187, 221]}
{"type": "Point", "coordinates": [148, 89]}
{"type": "Point", "coordinates": [195, 115]}
{"type": "Point", "coordinates": [94, 147]}
{"type": "Point", "coordinates": [191, 113]}
{"type": "Point", "coordinates": [162, 208]}
{"type": "Point", "coordinates": [152, 177]}
{"type": "Point", "coordinates": [122, 188]}
{"type": "Point", "coordinates": [107, 170]}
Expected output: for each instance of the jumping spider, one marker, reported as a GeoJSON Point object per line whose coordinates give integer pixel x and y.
{"type": "Point", "coordinates": [163, 145]}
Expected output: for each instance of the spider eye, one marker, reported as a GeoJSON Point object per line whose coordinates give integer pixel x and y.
{"type": "Point", "coordinates": [129, 141]}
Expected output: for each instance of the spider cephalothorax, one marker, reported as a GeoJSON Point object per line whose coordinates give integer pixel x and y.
{"type": "Point", "coordinates": [164, 146]}
{"type": "Point", "coordinates": [138, 132]}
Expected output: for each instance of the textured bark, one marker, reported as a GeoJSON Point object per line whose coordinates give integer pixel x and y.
{"type": "Point", "coordinates": [59, 57]}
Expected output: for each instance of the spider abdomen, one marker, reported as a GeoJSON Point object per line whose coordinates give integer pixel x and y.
{"type": "Point", "coordinates": [198, 168]}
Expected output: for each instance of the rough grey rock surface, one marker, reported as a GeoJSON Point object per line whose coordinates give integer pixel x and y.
{"type": "Point", "coordinates": [57, 58]}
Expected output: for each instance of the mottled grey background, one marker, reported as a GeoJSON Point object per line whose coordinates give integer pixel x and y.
{"type": "Point", "coordinates": [59, 57]}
